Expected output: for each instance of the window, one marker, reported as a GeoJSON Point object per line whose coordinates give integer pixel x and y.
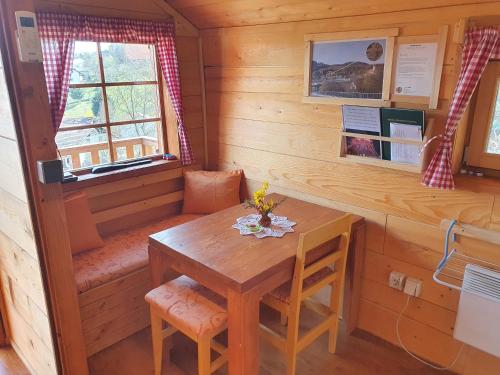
{"type": "Point", "coordinates": [484, 150]}
{"type": "Point", "coordinates": [113, 110]}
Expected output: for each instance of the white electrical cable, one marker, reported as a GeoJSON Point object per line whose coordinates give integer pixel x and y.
{"type": "Point", "coordinates": [413, 355]}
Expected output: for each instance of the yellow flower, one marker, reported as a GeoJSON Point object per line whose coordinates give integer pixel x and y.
{"type": "Point", "coordinates": [259, 198]}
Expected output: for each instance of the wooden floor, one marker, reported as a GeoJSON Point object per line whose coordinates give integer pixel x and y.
{"type": "Point", "coordinates": [10, 364]}
{"type": "Point", "coordinates": [357, 354]}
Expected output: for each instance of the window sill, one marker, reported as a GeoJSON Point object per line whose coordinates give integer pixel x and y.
{"type": "Point", "coordinates": [88, 179]}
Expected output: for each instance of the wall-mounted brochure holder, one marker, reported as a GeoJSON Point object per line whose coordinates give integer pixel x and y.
{"type": "Point", "coordinates": [389, 138]}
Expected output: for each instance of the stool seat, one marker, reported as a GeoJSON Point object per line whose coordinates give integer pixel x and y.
{"type": "Point", "coordinates": [190, 307]}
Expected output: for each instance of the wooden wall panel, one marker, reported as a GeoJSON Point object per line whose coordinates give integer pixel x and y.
{"type": "Point", "coordinates": [16, 221]}
{"type": "Point", "coordinates": [374, 188]}
{"type": "Point", "coordinates": [495, 216]}
{"type": "Point", "coordinates": [404, 241]}
{"type": "Point", "coordinates": [23, 269]}
{"type": "Point", "coordinates": [21, 285]}
{"type": "Point", "coordinates": [378, 267]}
{"type": "Point", "coordinates": [417, 336]}
{"type": "Point", "coordinates": [439, 318]}
{"type": "Point", "coordinates": [376, 221]}
{"type": "Point", "coordinates": [257, 122]}
{"type": "Point", "coordinates": [284, 80]}
{"type": "Point", "coordinates": [283, 108]}
{"type": "Point", "coordinates": [227, 13]}
{"type": "Point", "coordinates": [321, 144]}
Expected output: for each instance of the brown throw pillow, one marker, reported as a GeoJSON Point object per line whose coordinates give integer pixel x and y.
{"type": "Point", "coordinates": [209, 192]}
{"type": "Point", "coordinates": [82, 231]}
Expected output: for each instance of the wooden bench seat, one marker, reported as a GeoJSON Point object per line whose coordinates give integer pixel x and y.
{"type": "Point", "coordinates": [113, 280]}
{"type": "Point", "coordinates": [124, 253]}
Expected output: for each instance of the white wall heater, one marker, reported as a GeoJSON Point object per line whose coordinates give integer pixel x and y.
{"type": "Point", "coordinates": [478, 317]}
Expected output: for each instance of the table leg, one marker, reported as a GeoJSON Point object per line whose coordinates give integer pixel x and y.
{"type": "Point", "coordinates": [243, 326]}
{"type": "Point", "coordinates": [159, 267]}
{"type": "Point", "coordinates": [353, 285]}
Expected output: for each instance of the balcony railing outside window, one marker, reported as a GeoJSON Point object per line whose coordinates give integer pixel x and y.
{"type": "Point", "coordinates": [84, 156]}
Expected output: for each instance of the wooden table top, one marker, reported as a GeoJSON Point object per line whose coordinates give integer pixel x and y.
{"type": "Point", "coordinates": [211, 245]}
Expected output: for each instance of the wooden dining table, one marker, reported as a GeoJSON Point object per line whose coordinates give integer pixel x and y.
{"type": "Point", "coordinates": [244, 268]}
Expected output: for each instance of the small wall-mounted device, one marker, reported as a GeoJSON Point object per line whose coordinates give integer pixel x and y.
{"type": "Point", "coordinates": [397, 280]}
{"type": "Point", "coordinates": [28, 40]}
{"type": "Point", "coordinates": [413, 287]}
{"type": "Point", "coordinates": [50, 171]}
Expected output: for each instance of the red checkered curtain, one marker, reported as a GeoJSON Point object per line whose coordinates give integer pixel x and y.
{"type": "Point", "coordinates": [480, 46]}
{"type": "Point", "coordinates": [59, 33]}
{"type": "Point", "coordinates": [165, 48]}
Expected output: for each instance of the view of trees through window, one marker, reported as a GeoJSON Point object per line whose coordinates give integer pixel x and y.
{"type": "Point", "coordinates": [113, 108]}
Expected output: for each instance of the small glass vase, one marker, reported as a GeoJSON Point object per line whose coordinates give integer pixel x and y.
{"type": "Point", "coordinates": [265, 220]}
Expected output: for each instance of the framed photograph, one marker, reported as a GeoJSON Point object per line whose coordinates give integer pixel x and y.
{"type": "Point", "coordinates": [349, 67]}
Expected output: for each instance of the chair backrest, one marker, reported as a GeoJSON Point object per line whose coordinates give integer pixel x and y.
{"type": "Point", "coordinates": [328, 245]}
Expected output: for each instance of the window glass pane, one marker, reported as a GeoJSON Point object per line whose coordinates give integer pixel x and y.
{"type": "Point", "coordinates": [121, 153]}
{"type": "Point", "coordinates": [67, 162]}
{"type": "Point", "coordinates": [135, 137]}
{"type": "Point", "coordinates": [85, 68]}
{"type": "Point", "coordinates": [128, 62]}
{"type": "Point", "coordinates": [84, 107]}
{"type": "Point", "coordinates": [85, 159]}
{"type": "Point", "coordinates": [104, 157]}
{"type": "Point", "coordinates": [493, 144]}
{"type": "Point", "coordinates": [134, 102]}
{"type": "Point", "coordinates": [73, 143]}
{"type": "Point", "coordinates": [137, 150]}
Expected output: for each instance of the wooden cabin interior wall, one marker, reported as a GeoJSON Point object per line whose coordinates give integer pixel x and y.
{"type": "Point", "coordinates": [256, 121]}
{"type": "Point", "coordinates": [24, 307]}
{"type": "Point", "coordinates": [23, 304]}
{"type": "Point", "coordinates": [253, 62]}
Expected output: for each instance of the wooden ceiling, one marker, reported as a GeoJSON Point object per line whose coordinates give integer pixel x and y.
{"type": "Point", "coordinates": [226, 13]}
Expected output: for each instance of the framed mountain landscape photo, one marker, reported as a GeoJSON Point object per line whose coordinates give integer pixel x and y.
{"type": "Point", "coordinates": [349, 67]}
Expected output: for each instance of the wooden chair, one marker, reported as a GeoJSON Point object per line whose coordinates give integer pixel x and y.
{"type": "Point", "coordinates": [192, 309]}
{"type": "Point", "coordinates": [318, 250]}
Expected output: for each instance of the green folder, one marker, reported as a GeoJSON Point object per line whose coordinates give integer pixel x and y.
{"type": "Point", "coordinates": [401, 116]}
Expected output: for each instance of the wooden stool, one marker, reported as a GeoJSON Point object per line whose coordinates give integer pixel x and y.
{"type": "Point", "coordinates": [192, 309]}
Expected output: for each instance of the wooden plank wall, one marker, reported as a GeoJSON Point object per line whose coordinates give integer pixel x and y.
{"type": "Point", "coordinates": [24, 304]}
{"type": "Point", "coordinates": [257, 122]}
{"type": "Point", "coordinates": [187, 52]}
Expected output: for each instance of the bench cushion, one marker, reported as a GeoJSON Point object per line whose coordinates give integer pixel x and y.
{"type": "Point", "coordinates": [122, 254]}
{"type": "Point", "coordinates": [208, 192]}
{"type": "Point", "coordinates": [82, 231]}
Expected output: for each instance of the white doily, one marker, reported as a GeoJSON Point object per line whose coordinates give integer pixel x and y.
{"type": "Point", "coordinates": [250, 225]}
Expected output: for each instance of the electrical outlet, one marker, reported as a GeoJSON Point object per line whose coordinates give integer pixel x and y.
{"type": "Point", "coordinates": [397, 280]}
{"type": "Point", "coordinates": [413, 287]}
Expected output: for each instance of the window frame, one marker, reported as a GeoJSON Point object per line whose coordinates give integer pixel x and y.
{"type": "Point", "coordinates": [489, 88]}
{"type": "Point", "coordinates": [108, 124]}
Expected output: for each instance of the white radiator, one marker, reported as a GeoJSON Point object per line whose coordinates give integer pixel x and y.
{"type": "Point", "coordinates": [478, 317]}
